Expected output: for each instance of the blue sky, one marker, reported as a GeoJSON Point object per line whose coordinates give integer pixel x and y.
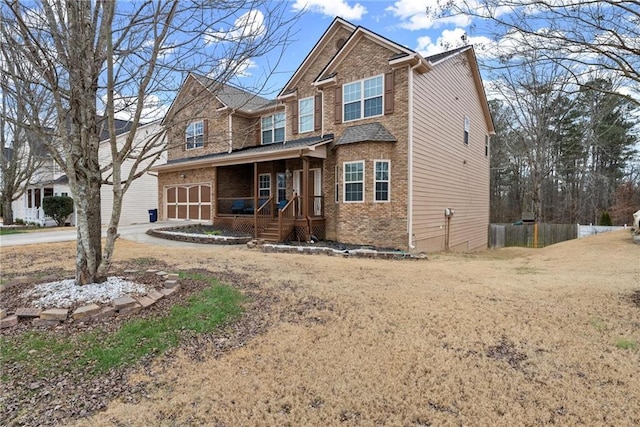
{"type": "Point", "coordinates": [403, 21]}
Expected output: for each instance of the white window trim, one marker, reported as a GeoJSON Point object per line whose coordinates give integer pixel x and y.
{"type": "Point", "coordinates": [388, 181]}
{"type": "Point", "coordinates": [273, 128]}
{"type": "Point", "coordinates": [278, 188]}
{"type": "Point", "coordinates": [186, 142]}
{"type": "Point", "coordinates": [337, 183]}
{"type": "Point", "coordinates": [260, 188]}
{"type": "Point", "coordinates": [344, 181]}
{"type": "Point", "coordinates": [362, 99]}
{"type": "Point", "coordinates": [313, 106]}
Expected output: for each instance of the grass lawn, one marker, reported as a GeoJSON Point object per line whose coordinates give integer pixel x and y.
{"type": "Point", "coordinates": [5, 231]}
{"type": "Point", "coordinates": [505, 337]}
{"type": "Point", "coordinates": [46, 354]}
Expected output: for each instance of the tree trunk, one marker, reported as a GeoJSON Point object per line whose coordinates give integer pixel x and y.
{"type": "Point", "coordinates": [7, 212]}
{"type": "Point", "coordinates": [89, 247]}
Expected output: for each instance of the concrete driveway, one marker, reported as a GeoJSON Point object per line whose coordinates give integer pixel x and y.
{"type": "Point", "coordinates": [135, 232]}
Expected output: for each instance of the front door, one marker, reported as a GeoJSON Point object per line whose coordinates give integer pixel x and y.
{"type": "Point", "coordinates": [315, 183]}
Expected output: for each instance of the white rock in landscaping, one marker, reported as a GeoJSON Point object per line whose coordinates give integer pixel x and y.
{"type": "Point", "coordinates": [66, 293]}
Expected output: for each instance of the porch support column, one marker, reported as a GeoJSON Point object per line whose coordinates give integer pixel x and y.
{"type": "Point", "coordinates": [305, 187]}
{"type": "Point", "coordinates": [214, 195]}
{"type": "Point", "coordinates": [255, 199]}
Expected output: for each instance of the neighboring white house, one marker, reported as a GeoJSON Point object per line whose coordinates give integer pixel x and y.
{"type": "Point", "coordinates": [50, 180]}
{"type": "Point", "coordinates": [142, 195]}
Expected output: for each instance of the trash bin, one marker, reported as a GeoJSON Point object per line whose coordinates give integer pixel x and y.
{"type": "Point", "coordinates": [153, 215]}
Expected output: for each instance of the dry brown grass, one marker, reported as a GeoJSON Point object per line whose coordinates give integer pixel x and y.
{"type": "Point", "coordinates": [508, 337]}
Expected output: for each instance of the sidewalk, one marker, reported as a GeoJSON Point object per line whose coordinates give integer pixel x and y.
{"type": "Point", "coordinates": [135, 232]}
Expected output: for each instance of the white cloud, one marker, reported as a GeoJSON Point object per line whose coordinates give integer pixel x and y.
{"type": "Point", "coordinates": [125, 106]}
{"type": "Point", "coordinates": [237, 69]}
{"type": "Point", "coordinates": [332, 8]}
{"type": "Point", "coordinates": [247, 26]}
{"type": "Point", "coordinates": [417, 15]}
{"type": "Point", "coordinates": [450, 39]}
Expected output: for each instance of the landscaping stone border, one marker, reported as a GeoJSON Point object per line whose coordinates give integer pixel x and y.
{"type": "Point", "coordinates": [323, 250]}
{"type": "Point", "coordinates": [120, 306]}
{"type": "Point", "coordinates": [166, 233]}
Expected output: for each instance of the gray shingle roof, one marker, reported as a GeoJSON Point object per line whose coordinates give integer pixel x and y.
{"type": "Point", "coordinates": [233, 97]}
{"type": "Point", "coordinates": [367, 132]}
{"type": "Point", "coordinates": [267, 148]}
{"type": "Point", "coordinates": [440, 56]}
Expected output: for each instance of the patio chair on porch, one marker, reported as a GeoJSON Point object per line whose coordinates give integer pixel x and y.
{"type": "Point", "coordinates": [282, 204]}
{"type": "Point", "coordinates": [250, 209]}
{"type": "Point", "coordinates": [237, 207]}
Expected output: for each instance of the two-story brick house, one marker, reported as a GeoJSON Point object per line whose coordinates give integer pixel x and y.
{"type": "Point", "coordinates": [368, 142]}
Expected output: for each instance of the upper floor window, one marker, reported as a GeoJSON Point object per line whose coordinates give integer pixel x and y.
{"type": "Point", "coordinates": [381, 180]}
{"type": "Point", "coordinates": [305, 118]}
{"type": "Point", "coordinates": [273, 128]}
{"type": "Point", "coordinates": [354, 181]}
{"type": "Point", "coordinates": [362, 98]}
{"type": "Point", "coordinates": [195, 135]}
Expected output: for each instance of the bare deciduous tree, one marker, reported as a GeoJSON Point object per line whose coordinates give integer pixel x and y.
{"type": "Point", "coordinates": [98, 59]}
{"type": "Point", "coordinates": [22, 154]}
{"type": "Point", "coordinates": [582, 36]}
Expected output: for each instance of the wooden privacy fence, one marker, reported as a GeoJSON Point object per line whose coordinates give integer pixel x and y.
{"type": "Point", "coordinates": [530, 235]}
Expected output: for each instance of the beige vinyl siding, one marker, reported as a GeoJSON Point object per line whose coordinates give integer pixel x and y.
{"type": "Point", "coordinates": [141, 196]}
{"type": "Point", "coordinates": [446, 172]}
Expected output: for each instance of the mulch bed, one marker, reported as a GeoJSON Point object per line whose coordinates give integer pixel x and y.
{"type": "Point", "coordinates": [74, 393]}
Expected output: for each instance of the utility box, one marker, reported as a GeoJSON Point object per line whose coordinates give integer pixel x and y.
{"type": "Point", "coordinates": [528, 217]}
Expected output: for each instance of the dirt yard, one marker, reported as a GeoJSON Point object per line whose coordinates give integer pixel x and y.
{"type": "Point", "coordinates": [506, 337]}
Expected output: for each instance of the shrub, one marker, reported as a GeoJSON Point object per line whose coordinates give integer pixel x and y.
{"type": "Point", "coordinates": [58, 208]}
{"type": "Point", "coordinates": [605, 219]}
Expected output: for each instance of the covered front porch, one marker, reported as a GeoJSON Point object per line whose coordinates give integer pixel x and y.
{"type": "Point", "coordinates": [279, 200]}
{"type": "Point", "coordinates": [272, 192]}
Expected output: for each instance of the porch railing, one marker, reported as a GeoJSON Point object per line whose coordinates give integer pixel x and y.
{"type": "Point", "coordinates": [287, 218]}
{"type": "Point", "coordinates": [35, 215]}
{"type": "Point", "coordinates": [263, 216]}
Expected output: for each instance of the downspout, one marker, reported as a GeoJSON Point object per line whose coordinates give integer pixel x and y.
{"type": "Point", "coordinates": [410, 162]}
{"type": "Point", "coordinates": [230, 130]}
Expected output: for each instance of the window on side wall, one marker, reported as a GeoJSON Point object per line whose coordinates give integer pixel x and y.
{"type": "Point", "coordinates": [354, 181]}
{"type": "Point", "coordinates": [305, 115]}
{"type": "Point", "coordinates": [362, 99]}
{"type": "Point", "coordinates": [382, 179]}
{"type": "Point", "coordinates": [195, 135]}
{"type": "Point", "coordinates": [467, 126]}
{"type": "Point", "coordinates": [273, 128]}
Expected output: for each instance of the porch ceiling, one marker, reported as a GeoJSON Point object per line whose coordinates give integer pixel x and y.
{"type": "Point", "coordinates": [310, 147]}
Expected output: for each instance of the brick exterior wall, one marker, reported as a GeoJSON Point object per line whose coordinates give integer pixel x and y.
{"type": "Point", "coordinates": [381, 224]}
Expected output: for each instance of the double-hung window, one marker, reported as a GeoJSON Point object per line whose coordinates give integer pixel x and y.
{"type": "Point", "coordinates": [264, 185]}
{"type": "Point", "coordinates": [194, 135]}
{"type": "Point", "coordinates": [362, 99]}
{"type": "Point", "coordinates": [305, 115]}
{"type": "Point", "coordinates": [282, 186]}
{"type": "Point", "coordinates": [381, 180]}
{"type": "Point", "coordinates": [273, 128]}
{"type": "Point", "coordinates": [354, 181]}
